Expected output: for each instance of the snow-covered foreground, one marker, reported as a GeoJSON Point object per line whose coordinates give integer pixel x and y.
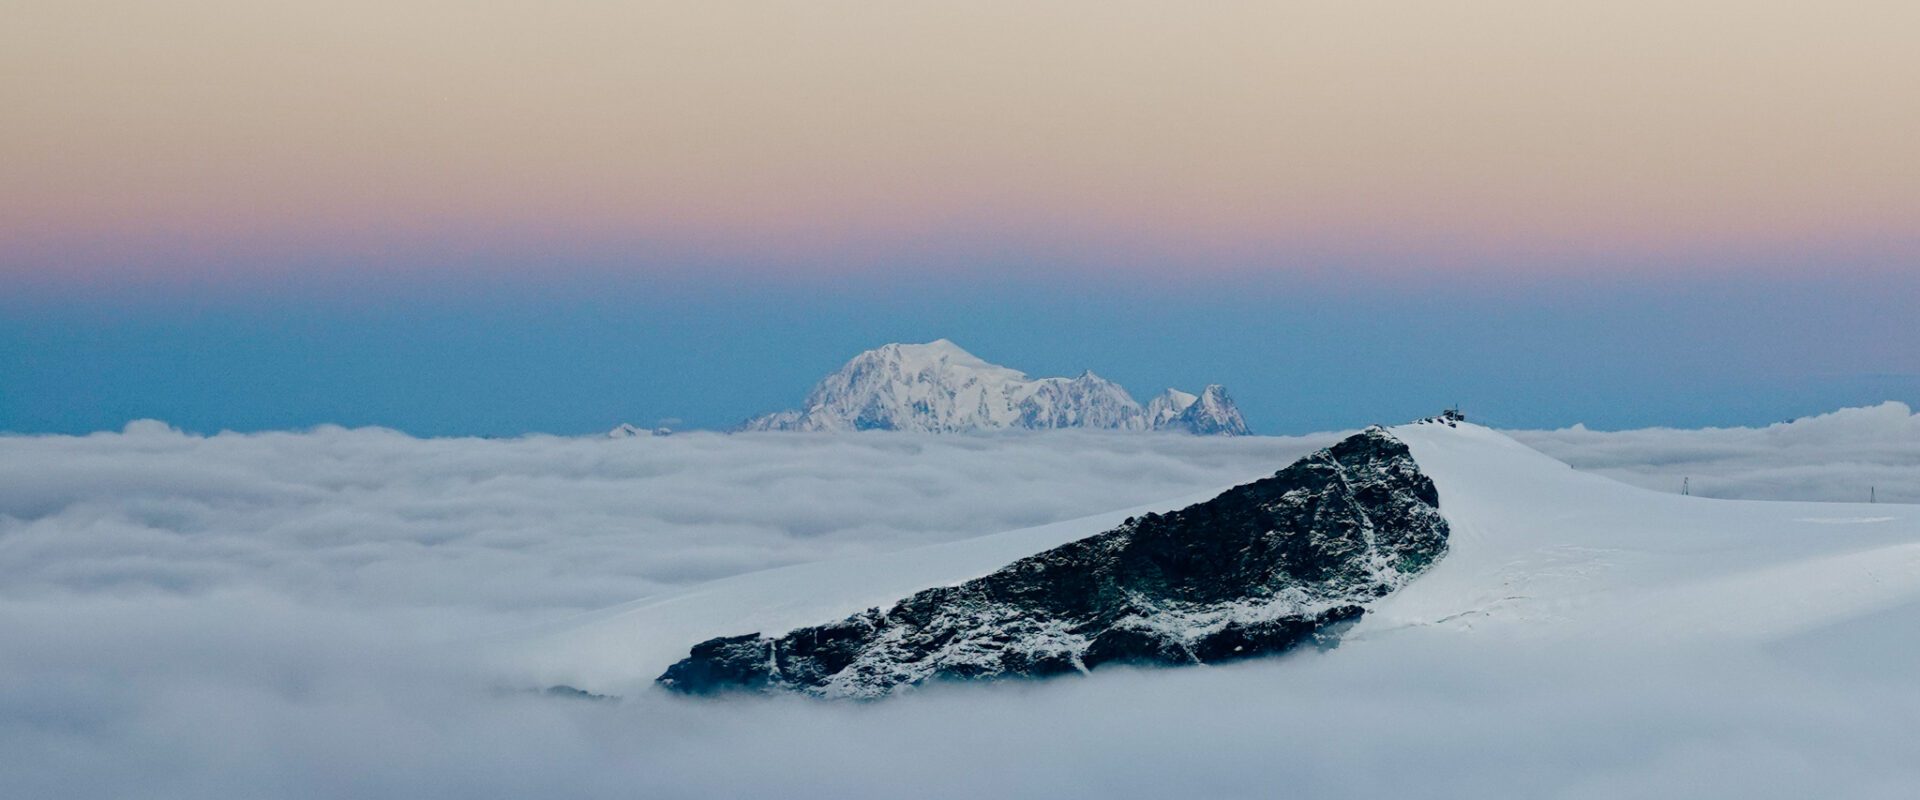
{"type": "Point", "coordinates": [1538, 550]}
{"type": "Point", "coordinates": [355, 613]}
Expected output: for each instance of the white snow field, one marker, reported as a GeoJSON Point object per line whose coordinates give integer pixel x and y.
{"type": "Point", "coordinates": [1539, 549]}
{"type": "Point", "coordinates": [359, 613]}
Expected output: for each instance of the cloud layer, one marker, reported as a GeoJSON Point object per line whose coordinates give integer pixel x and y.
{"type": "Point", "coordinates": [267, 615]}
{"type": "Point", "coordinates": [374, 518]}
{"type": "Point", "coordinates": [1836, 457]}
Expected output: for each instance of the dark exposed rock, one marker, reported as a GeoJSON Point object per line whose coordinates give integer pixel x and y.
{"type": "Point", "coordinates": [1260, 569]}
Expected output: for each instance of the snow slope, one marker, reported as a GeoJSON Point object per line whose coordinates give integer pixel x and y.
{"type": "Point", "coordinates": [1537, 550]}
{"type": "Point", "coordinates": [1540, 549]}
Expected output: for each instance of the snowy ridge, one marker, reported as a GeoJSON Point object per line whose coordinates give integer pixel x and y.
{"type": "Point", "coordinates": [628, 430]}
{"type": "Point", "coordinates": [938, 387]}
{"type": "Point", "coordinates": [1263, 568]}
{"type": "Point", "coordinates": [1540, 549]}
{"type": "Point", "coordinates": [1166, 406]}
{"type": "Point", "coordinates": [1536, 549]}
{"type": "Point", "coordinates": [1211, 414]}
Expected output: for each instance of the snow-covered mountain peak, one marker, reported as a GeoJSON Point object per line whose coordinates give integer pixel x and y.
{"type": "Point", "coordinates": [939, 387]}
{"type": "Point", "coordinates": [939, 353]}
{"type": "Point", "coordinates": [1165, 407]}
{"type": "Point", "coordinates": [1212, 413]}
{"type": "Point", "coordinates": [1179, 399]}
{"type": "Point", "coordinates": [628, 430]}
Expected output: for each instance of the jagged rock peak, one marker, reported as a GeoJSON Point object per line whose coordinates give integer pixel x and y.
{"type": "Point", "coordinates": [938, 387]}
{"type": "Point", "coordinates": [1211, 414]}
{"type": "Point", "coordinates": [1262, 568]}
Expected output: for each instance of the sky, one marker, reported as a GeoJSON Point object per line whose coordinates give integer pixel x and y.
{"type": "Point", "coordinates": [451, 219]}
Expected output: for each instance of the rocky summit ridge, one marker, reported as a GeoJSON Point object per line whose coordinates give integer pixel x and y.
{"type": "Point", "coordinates": [1262, 568]}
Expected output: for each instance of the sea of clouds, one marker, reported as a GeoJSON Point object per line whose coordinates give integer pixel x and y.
{"type": "Point", "coordinates": [1845, 456]}
{"type": "Point", "coordinates": [280, 614]}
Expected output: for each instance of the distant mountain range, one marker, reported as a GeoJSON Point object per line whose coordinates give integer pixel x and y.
{"type": "Point", "coordinates": [938, 387]}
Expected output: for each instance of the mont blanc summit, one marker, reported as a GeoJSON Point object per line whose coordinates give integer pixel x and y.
{"type": "Point", "coordinates": [938, 387]}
